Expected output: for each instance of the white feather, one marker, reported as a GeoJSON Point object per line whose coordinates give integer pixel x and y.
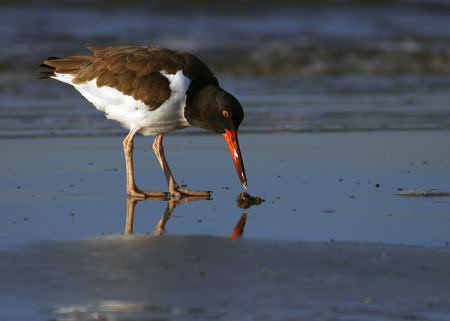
{"type": "Point", "coordinates": [134, 114]}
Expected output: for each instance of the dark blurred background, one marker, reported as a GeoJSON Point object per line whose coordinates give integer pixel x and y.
{"type": "Point", "coordinates": [295, 65]}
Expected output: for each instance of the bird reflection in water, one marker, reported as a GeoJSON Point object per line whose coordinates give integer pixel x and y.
{"type": "Point", "coordinates": [160, 226]}
{"type": "Point", "coordinates": [243, 202]}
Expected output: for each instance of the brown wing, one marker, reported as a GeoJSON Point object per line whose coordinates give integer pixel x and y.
{"type": "Point", "coordinates": [135, 71]}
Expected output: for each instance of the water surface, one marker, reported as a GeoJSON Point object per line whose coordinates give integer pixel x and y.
{"type": "Point", "coordinates": [295, 66]}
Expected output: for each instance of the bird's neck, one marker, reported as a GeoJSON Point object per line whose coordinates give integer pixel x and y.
{"type": "Point", "coordinates": [200, 106]}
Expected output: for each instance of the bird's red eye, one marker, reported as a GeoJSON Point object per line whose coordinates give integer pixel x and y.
{"type": "Point", "coordinates": [226, 113]}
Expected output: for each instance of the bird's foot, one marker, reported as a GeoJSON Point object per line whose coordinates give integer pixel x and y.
{"type": "Point", "coordinates": [141, 195]}
{"type": "Point", "coordinates": [180, 193]}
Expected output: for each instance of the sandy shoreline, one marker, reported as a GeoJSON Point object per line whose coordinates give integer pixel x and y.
{"type": "Point", "coordinates": [211, 278]}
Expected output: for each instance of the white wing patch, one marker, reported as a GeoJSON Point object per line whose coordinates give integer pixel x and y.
{"type": "Point", "coordinates": [134, 114]}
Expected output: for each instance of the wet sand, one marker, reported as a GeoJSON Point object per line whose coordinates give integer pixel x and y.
{"type": "Point", "coordinates": [211, 278]}
{"type": "Point", "coordinates": [332, 241]}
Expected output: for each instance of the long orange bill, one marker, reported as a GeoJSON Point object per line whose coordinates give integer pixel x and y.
{"type": "Point", "coordinates": [233, 144]}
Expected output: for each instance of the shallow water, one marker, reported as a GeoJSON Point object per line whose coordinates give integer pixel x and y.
{"type": "Point", "coordinates": [73, 248]}
{"type": "Point", "coordinates": [314, 189]}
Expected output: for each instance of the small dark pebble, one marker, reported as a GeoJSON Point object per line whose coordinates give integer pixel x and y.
{"type": "Point", "coordinates": [91, 163]}
{"type": "Point", "coordinates": [352, 196]}
{"type": "Point", "coordinates": [399, 189]}
{"type": "Point", "coordinates": [278, 197]}
{"type": "Point", "coordinates": [18, 187]}
{"type": "Point", "coordinates": [72, 214]}
{"type": "Point", "coordinates": [245, 200]}
{"type": "Point", "coordinates": [377, 185]}
{"type": "Point", "coordinates": [278, 176]}
{"type": "Point", "coordinates": [71, 185]}
{"type": "Point", "coordinates": [199, 220]}
{"type": "Point", "coordinates": [25, 219]}
{"type": "Point", "coordinates": [389, 214]}
{"type": "Point", "coordinates": [340, 179]}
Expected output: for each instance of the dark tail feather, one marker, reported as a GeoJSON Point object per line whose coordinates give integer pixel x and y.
{"type": "Point", "coordinates": [45, 70]}
{"type": "Point", "coordinates": [67, 65]}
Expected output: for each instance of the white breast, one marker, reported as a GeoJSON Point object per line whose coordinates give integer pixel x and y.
{"type": "Point", "coordinates": [134, 114]}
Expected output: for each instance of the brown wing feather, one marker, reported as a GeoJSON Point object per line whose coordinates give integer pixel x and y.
{"type": "Point", "coordinates": [136, 71]}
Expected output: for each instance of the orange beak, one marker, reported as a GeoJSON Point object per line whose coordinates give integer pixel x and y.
{"type": "Point", "coordinates": [233, 144]}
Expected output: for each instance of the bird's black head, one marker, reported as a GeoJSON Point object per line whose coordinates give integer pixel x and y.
{"type": "Point", "coordinates": [214, 109]}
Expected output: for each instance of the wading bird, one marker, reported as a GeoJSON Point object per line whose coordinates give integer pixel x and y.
{"type": "Point", "coordinates": [153, 91]}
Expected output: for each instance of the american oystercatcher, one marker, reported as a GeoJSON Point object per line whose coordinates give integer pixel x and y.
{"type": "Point", "coordinates": [153, 91]}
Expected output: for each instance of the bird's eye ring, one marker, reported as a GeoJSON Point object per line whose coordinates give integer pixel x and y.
{"type": "Point", "coordinates": [226, 113]}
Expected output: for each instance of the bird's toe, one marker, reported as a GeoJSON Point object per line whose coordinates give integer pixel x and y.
{"type": "Point", "coordinates": [183, 192]}
{"type": "Point", "coordinates": [141, 195]}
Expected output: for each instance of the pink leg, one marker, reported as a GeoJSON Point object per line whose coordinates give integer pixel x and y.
{"type": "Point", "coordinates": [132, 189]}
{"type": "Point", "coordinates": [174, 189]}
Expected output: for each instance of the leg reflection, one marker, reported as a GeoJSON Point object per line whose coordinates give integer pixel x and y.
{"type": "Point", "coordinates": [160, 226]}
{"type": "Point", "coordinates": [129, 220]}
